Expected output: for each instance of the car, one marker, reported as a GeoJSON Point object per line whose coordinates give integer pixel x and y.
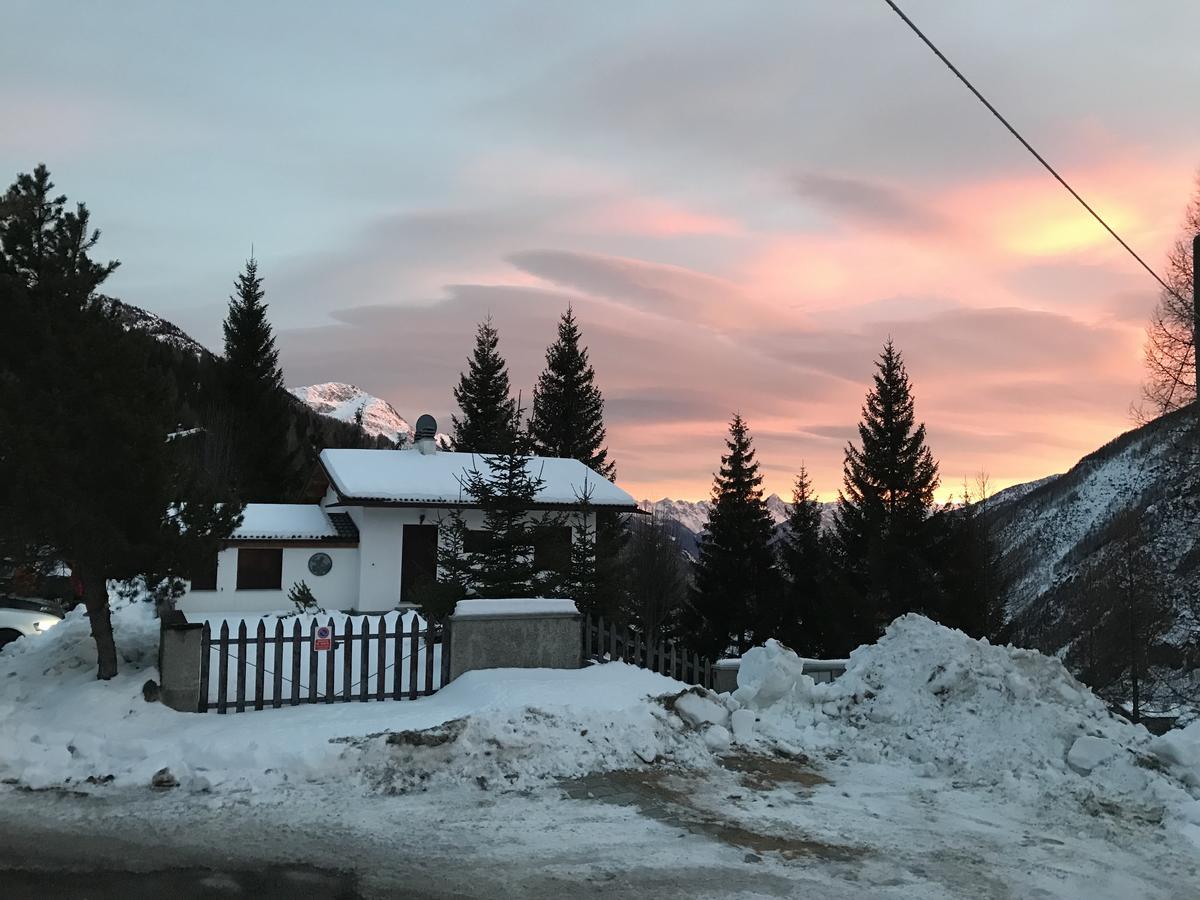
{"type": "Point", "coordinates": [21, 616]}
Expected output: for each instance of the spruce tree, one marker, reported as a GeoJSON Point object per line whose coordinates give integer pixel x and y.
{"type": "Point", "coordinates": [249, 341]}
{"type": "Point", "coordinates": [88, 475]}
{"type": "Point", "coordinates": [568, 409]}
{"type": "Point", "coordinates": [489, 421]}
{"type": "Point", "coordinates": [887, 495]}
{"type": "Point", "coordinates": [737, 587]}
{"type": "Point", "coordinates": [270, 455]}
{"type": "Point", "coordinates": [803, 558]}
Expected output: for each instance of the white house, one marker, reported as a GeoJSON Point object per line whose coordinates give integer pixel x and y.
{"type": "Point", "coordinates": [374, 533]}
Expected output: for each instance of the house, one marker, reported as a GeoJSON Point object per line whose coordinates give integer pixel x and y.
{"type": "Point", "coordinates": [373, 534]}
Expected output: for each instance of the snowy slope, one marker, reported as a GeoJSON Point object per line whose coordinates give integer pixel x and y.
{"type": "Point", "coordinates": [134, 318]}
{"type": "Point", "coordinates": [341, 401]}
{"type": "Point", "coordinates": [1052, 537]}
{"type": "Point", "coordinates": [693, 514]}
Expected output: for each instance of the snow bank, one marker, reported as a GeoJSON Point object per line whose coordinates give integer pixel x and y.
{"type": "Point", "coordinates": [62, 727]}
{"type": "Point", "coordinates": [996, 718]}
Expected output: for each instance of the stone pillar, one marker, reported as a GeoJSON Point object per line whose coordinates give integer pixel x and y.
{"type": "Point", "coordinates": [180, 649]}
{"type": "Point", "coordinates": [515, 634]}
{"type": "Point", "coordinates": [725, 673]}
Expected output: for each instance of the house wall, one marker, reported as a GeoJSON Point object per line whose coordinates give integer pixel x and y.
{"type": "Point", "coordinates": [381, 547]}
{"type": "Point", "coordinates": [336, 590]}
{"type": "Point", "coordinates": [366, 578]}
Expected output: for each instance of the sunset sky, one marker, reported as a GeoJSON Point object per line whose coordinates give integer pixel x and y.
{"type": "Point", "coordinates": [741, 201]}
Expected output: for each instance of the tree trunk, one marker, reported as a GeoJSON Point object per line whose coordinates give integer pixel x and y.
{"type": "Point", "coordinates": [95, 600]}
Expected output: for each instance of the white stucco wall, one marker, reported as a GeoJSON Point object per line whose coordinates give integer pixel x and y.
{"type": "Point", "coordinates": [366, 578]}
{"type": "Point", "coordinates": [336, 590]}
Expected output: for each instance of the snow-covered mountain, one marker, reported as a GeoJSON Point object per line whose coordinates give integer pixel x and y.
{"type": "Point", "coordinates": [134, 318]}
{"type": "Point", "coordinates": [1058, 537]}
{"type": "Point", "coordinates": [343, 401]}
{"type": "Point", "coordinates": [693, 514]}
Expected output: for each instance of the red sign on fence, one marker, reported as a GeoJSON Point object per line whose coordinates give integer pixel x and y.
{"type": "Point", "coordinates": [324, 638]}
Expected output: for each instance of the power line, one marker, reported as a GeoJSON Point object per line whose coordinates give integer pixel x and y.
{"type": "Point", "coordinates": [1028, 146]}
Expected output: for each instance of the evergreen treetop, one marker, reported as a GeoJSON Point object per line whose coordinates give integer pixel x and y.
{"type": "Point", "coordinates": [892, 477]}
{"type": "Point", "coordinates": [249, 341]}
{"type": "Point", "coordinates": [737, 585]}
{"type": "Point", "coordinates": [568, 409]}
{"type": "Point", "coordinates": [800, 544]}
{"type": "Point", "coordinates": [887, 495]}
{"type": "Point", "coordinates": [489, 421]}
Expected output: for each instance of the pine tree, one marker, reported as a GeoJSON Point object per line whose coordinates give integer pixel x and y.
{"type": "Point", "coordinates": [489, 422]}
{"type": "Point", "coordinates": [804, 560]}
{"type": "Point", "coordinates": [249, 341]}
{"type": "Point", "coordinates": [737, 587]}
{"type": "Point", "coordinates": [886, 498]}
{"type": "Point", "coordinates": [656, 579]}
{"type": "Point", "coordinates": [505, 493]}
{"type": "Point", "coordinates": [269, 452]}
{"type": "Point", "coordinates": [96, 484]}
{"type": "Point", "coordinates": [568, 409]}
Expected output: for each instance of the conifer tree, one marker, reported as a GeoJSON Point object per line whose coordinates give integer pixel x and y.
{"type": "Point", "coordinates": [489, 421]}
{"type": "Point", "coordinates": [269, 452]}
{"type": "Point", "coordinates": [568, 410]}
{"type": "Point", "coordinates": [802, 553]}
{"type": "Point", "coordinates": [737, 587]}
{"type": "Point", "coordinates": [249, 341]}
{"type": "Point", "coordinates": [88, 475]}
{"type": "Point", "coordinates": [888, 486]}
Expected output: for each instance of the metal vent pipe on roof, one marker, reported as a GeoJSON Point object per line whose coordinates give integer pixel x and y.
{"type": "Point", "coordinates": [425, 437]}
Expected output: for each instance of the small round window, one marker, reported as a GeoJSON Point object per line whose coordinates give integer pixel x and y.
{"type": "Point", "coordinates": [320, 564]}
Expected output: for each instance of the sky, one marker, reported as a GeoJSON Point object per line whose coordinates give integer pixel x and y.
{"type": "Point", "coordinates": [741, 202]}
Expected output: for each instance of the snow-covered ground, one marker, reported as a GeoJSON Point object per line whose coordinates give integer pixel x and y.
{"type": "Point", "coordinates": [937, 766]}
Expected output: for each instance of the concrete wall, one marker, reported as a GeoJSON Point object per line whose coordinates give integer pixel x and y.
{"type": "Point", "coordinates": [516, 641]}
{"type": "Point", "coordinates": [336, 590]}
{"type": "Point", "coordinates": [179, 654]}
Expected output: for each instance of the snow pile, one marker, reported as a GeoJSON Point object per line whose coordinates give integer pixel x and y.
{"type": "Point", "coordinates": [541, 724]}
{"type": "Point", "coordinates": [996, 718]}
{"type": "Point", "coordinates": [62, 727]}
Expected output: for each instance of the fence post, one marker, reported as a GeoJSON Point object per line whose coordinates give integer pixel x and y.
{"type": "Point", "coordinates": [429, 636]}
{"type": "Point", "coordinates": [183, 673]}
{"type": "Point", "coordinates": [414, 638]}
{"type": "Point", "coordinates": [223, 670]}
{"type": "Point", "coordinates": [241, 667]}
{"type": "Point", "coordinates": [330, 681]}
{"type": "Point", "coordinates": [398, 658]}
{"type": "Point", "coordinates": [364, 662]}
{"type": "Point", "coordinates": [347, 660]}
{"type": "Point", "coordinates": [381, 659]}
{"type": "Point", "coordinates": [277, 677]}
{"type": "Point", "coordinates": [260, 663]}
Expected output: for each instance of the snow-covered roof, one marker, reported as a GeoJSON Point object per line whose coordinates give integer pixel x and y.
{"type": "Point", "coordinates": [408, 477]}
{"type": "Point", "coordinates": [292, 522]}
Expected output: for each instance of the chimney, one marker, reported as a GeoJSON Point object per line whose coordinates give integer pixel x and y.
{"type": "Point", "coordinates": [425, 438]}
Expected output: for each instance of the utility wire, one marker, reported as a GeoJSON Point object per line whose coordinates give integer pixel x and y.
{"type": "Point", "coordinates": [1013, 131]}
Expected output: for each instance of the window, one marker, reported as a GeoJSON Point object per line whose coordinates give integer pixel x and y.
{"type": "Point", "coordinates": [260, 569]}
{"type": "Point", "coordinates": [552, 548]}
{"type": "Point", "coordinates": [477, 541]}
{"type": "Point", "coordinates": [204, 575]}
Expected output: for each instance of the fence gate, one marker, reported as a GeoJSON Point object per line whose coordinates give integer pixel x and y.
{"type": "Point", "coordinates": [610, 641]}
{"type": "Point", "coordinates": [397, 661]}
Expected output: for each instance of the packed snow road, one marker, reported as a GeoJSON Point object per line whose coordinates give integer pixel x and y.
{"type": "Point", "coordinates": [936, 767]}
{"type": "Point", "coordinates": [754, 828]}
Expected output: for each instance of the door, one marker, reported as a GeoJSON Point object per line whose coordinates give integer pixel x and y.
{"type": "Point", "coordinates": [418, 558]}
